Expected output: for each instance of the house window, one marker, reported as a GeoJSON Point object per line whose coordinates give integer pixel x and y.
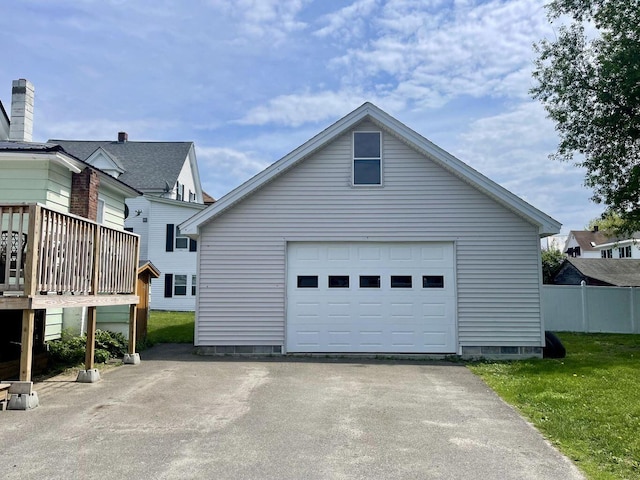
{"type": "Point", "coordinates": [179, 191]}
{"type": "Point", "coordinates": [100, 213]}
{"type": "Point", "coordinates": [606, 253]}
{"type": "Point", "coordinates": [182, 241]}
{"type": "Point", "coordinates": [624, 252]}
{"type": "Point", "coordinates": [369, 281]}
{"type": "Point", "coordinates": [367, 158]}
{"type": "Point", "coordinates": [193, 285]}
{"type": "Point", "coordinates": [180, 285]}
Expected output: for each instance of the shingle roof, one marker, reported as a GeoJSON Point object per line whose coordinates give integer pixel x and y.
{"type": "Point", "coordinates": [618, 272]}
{"type": "Point", "coordinates": [585, 237]}
{"type": "Point", "coordinates": [148, 165]}
{"type": "Point", "coordinates": [13, 146]}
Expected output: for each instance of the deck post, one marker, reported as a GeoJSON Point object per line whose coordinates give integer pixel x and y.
{"type": "Point", "coordinates": [132, 328]}
{"type": "Point", "coordinates": [26, 345]}
{"type": "Point", "coordinates": [133, 358]}
{"type": "Point", "coordinates": [91, 338]}
{"type": "Point", "coordinates": [90, 374]}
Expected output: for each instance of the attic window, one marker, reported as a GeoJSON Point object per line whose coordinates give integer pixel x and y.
{"type": "Point", "coordinates": [367, 158]}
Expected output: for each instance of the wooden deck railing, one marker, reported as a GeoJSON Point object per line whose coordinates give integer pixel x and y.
{"type": "Point", "coordinates": [43, 251]}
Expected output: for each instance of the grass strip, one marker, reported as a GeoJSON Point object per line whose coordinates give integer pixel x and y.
{"type": "Point", "coordinates": [587, 404]}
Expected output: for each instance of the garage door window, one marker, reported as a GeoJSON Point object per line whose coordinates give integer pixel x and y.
{"type": "Point", "coordinates": [369, 281]}
{"type": "Point", "coordinates": [338, 281]}
{"type": "Point", "coordinates": [367, 159]}
{"type": "Point", "coordinates": [401, 281]}
{"type": "Point", "coordinates": [307, 281]}
{"type": "Point", "coordinates": [433, 281]}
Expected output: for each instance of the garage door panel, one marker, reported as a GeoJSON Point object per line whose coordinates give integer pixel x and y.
{"type": "Point", "coordinates": [405, 318]}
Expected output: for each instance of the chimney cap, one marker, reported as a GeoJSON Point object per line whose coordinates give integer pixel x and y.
{"type": "Point", "coordinates": [123, 137]}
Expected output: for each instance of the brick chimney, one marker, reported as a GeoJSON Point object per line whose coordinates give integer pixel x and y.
{"type": "Point", "coordinates": [84, 194]}
{"type": "Point", "coordinates": [22, 96]}
{"type": "Point", "coordinates": [122, 137]}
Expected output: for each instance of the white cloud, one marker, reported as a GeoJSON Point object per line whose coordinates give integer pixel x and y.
{"type": "Point", "coordinates": [263, 19]}
{"type": "Point", "coordinates": [297, 109]}
{"type": "Point", "coordinates": [512, 149]}
{"type": "Point", "coordinates": [348, 23]}
{"type": "Point", "coordinates": [222, 169]}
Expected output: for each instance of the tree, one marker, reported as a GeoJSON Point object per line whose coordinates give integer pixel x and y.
{"type": "Point", "coordinates": [551, 262]}
{"type": "Point", "coordinates": [609, 224]}
{"type": "Point", "coordinates": [590, 88]}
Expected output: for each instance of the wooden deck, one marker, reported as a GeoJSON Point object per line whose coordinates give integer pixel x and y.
{"type": "Point", "coordinates": [50, 259]}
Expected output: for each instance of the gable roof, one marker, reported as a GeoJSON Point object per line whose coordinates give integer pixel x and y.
{"type": "Point", "coordinates": [149, 166]}
{"type": "Point", "coordinates": [101, 152]}
{"type": "Point", "coordinates": [587, 239]}
{"type": "Point", "coordinates": [613, 271]}
{"type": "Point", "coordinates": [546, 225]}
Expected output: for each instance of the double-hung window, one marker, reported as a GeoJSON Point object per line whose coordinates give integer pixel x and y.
{"type": "Point", "coordinates": [367, 158]}
{"type": "Point", "coordinates": [182, 241]}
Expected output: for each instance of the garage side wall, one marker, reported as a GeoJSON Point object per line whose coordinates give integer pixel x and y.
{"type": "Point", "coordinates": [243, 252]}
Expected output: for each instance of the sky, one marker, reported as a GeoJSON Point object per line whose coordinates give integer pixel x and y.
{"type": "Point", "coordinates": [250, 80]}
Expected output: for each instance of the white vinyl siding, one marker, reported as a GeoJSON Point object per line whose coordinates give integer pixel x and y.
{"type": "Point", "coordinates": [242, 280]}
{"type": "Point", "coordinates": [179, 262]}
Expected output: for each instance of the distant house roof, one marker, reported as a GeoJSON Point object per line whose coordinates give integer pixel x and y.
{"type": "Point", "coordinates": [149, 166]}
{"type": "Point", "coordinates": [208, 199]}
{"type": "Point", "coordinates": [57, 153]}
{"type": "Point", "coordinates": [599, 271]}
{"type": "Point", "coordinates": [587, 239]}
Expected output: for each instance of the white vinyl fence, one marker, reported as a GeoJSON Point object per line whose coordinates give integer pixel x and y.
{"type": "Point", "coordinates": [569, 308]}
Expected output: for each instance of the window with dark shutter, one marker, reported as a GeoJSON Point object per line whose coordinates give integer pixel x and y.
{"type": "Point", "coordinates": [193, 245]}
{"type": "Point", "coordinates": [168, 285]}
{"type": "Point", "coordinates": [169, 243]}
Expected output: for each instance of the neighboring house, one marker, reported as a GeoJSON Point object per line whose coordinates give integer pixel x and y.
{"type": "Point", "coordinates": [369, 238]}
{"type": "Point", "coordinates": [582, 243]}
{"type": "Point", "coordinates": [156, 219]}
{"type": "Point", "coordinates": [167, 174]}
{"type": "Point", "coordinates": [44, 249]}
{"type": "Point", "coordinates": [599, 271]}
{"type": "Point", "coordinates": [620, 247]}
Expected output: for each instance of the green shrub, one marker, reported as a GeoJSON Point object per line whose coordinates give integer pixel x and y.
{"type": "Point", "coordinates": [70, 350]}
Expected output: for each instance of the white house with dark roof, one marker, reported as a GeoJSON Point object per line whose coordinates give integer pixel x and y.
{"type": "Point", "coordinates": [369, 238]}
{"type": "Point", "coordinates": [167, 173]}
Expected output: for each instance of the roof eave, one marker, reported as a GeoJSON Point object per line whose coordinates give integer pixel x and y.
{"type": "Point", "coordinates": [546, 225]}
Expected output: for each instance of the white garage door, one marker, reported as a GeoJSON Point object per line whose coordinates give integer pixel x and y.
{"type": "Point", "coordinates": [371, 297]}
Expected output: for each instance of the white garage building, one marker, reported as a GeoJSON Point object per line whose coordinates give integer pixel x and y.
{"type": "Point", "coordinates": [370, 239]}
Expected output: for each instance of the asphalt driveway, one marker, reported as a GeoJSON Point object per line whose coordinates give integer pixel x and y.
{"type": "Point", "coordinates": [180, 416]}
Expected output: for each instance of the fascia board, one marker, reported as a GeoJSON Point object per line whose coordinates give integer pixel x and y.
{"type": "Point", "coordinates": [195, 172]}
{"type": "Point", "coordinates": [191, 225]}
{"type": "Point", "coordinates": [546, 225]}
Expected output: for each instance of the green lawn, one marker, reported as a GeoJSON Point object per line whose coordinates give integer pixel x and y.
{"type": "Point", "coordinates": [587, 404]}
{"type": "Point", "coordinates": [170, 327]}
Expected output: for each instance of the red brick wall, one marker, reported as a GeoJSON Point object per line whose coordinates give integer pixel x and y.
{"type": "Point", "coordinates": [84, 194]}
